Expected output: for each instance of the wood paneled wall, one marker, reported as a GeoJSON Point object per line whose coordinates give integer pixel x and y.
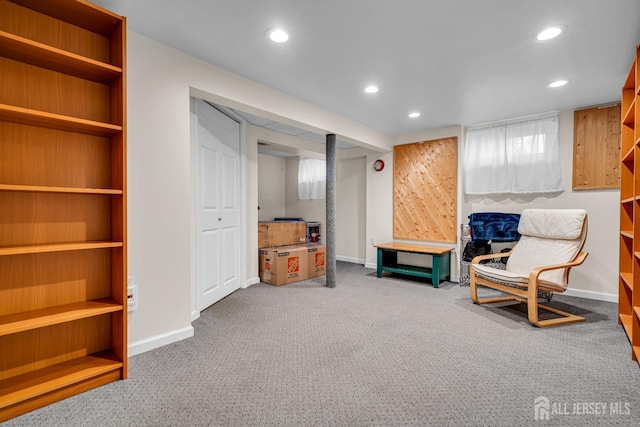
{"type": "Point", "coordinates": [425, 190]}
{"type": "Point", "coordinates": [596, 148]}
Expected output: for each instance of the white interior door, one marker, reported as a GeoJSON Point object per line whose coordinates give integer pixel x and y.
{"type": "Point", "coordinates": [217, 139]}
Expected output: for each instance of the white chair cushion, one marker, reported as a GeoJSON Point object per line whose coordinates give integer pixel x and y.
{"type": "Point", "coordinates": [532, 252]}
{"type": "Point", "coordinates": [549, 237]}
{"type": "Point", "coordinates": [552, 223]}
{"type": "Point", "coordinates": [508, 277]}
{"type": "Point", "coordinates": [498, 274]}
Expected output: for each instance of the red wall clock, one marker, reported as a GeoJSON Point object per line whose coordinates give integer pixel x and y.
{"type": "Point", "coordinates": [378, 165]}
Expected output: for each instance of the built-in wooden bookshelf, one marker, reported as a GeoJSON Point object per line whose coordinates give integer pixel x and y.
{"type": "Point", "coordinates": [628, 291]}
{"type": "Point", "coordinates": [63, 245]}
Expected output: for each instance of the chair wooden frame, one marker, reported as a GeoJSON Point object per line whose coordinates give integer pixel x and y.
{"type": "Point", "coordinates": [526, 292]}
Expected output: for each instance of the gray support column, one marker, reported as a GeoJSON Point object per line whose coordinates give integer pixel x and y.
{"type": "Point", "coordinates": [331, 211]}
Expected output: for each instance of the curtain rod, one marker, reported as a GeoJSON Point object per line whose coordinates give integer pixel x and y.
{"type": "Point", "coordinates": [518, 120]}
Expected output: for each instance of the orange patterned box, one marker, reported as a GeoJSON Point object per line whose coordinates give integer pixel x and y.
{"type": "Point", "coordinates": [317, 259]}
{"type": "Point", "coordinates": [284, 264]}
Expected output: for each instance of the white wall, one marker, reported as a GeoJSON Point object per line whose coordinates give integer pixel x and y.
{"type": "Point", "coordinates": [350, 194]}
{"type": "Point", "coordinates": [271, 185]}
{"type": "Point", "coordinates": [350, 207]}
{"type": "Point", "coordinates": [379, 200]}
{"type": "Point", "coordinates": [598, 276]}
{"type": "Point", "coordinates": [160, 189]}
{"type": "Point", "coordinates": [379, 205]}
{"type": "Point", "coordinates": [309, 210]}
{"type": "Point", "coordinates": [351, 212]}
{"type": "Point", "coordinates": [161, 184]}
{"type": "Point", "coordinates": [160, 81]}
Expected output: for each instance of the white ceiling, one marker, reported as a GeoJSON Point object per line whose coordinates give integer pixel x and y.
{"type": "Point", "coordinates": [456, 61]}
{"type": "Point", "coordinates": [289, 130]}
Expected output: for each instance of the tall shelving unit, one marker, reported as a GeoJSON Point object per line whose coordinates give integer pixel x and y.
{"type": "Point", "coordinates": [629, 281]}
{"type": "Point", "coordinates": [63, 255]}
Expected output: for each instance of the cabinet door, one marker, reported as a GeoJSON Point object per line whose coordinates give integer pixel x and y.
{"type": "Point", "coordinates": [596, 148]}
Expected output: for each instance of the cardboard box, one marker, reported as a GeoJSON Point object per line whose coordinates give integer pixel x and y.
{"type": "Point", "coordinates": [282, 265]}
{"type": "Point", "coordinates": [280, 233]}
{"type": "Point", "coordinates": [316, 259]}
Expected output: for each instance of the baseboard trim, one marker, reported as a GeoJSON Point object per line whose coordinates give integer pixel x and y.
{"type": "Point", "coordinates": [195, 315]}
{"type": "Point", "coordinates": [600, 296]}
{"type": "Point", "coordinates": [371, 265]}
{"type": "Point", "coordinates": [349, 259]}
{"type": "Point", "coordinates": [250, 282]}
{"type": "Point", "coordinates": [149, 344]}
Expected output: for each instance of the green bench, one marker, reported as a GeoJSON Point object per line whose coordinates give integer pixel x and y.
{"type": "Point", "coordinates": [441, 261]}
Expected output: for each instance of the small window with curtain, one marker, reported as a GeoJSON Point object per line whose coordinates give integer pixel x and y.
{"type": "Point", "coordinates": [312, 179]}
{"type": "Point", "coordinates": [514, 156]}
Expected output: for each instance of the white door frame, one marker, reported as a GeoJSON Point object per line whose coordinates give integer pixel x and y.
{"type": "Point", "coordinates": [242, 249]}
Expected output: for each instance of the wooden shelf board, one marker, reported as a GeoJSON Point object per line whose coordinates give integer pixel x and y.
{"type": "Point", "coordinates": [45, 189]}
{"type": "Point", "coordinates": [46, 380]}
{"type": "Point", "coordinates": [628, 234]}
{"type": "Point", "coordinates": [627, 200]}
{"type": "Point", "coordinates": [627, 279]}
{"type": "Point", "coordinates": [57, 247]}
{"type": "Point", "coordinates": [79, 13]}
{"type": "Point", "coordinates": [637, 254]}
{"type": "Point", "coordinates": [409, 270]}
{"type": "Point", "coordinates": [629, 156]}
{"type": "Point", "coordinates": [19, 322]}
{"type": "Point", "coordinates": [636, 310]}
{"type": "Point", "coordinates": [30, 117]}
{"type": "Point", "coordinates": [51, 58]}
{"type": "Point", "coordinates": [629, 117]}
{"type": "Point", "coordinates": [626, 321]}
{"type": "Point", "coordinates": [630, 83]}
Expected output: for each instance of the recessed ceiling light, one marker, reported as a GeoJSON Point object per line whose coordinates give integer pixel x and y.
{"type": "Point", "coordinates": [414, 114]}
{"type": "Point", "coordinates": [371, 89]}
{"type": "Point", "coordinates": [278, 35]}
{"type": "Point", "coordinates": [558, 83]}
{"type": "Point", "coordinates": [549, 33]}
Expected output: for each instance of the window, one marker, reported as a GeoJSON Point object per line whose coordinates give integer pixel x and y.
{"type": "Point", "coordinates": [312, 179]}
{"type": "Point", "coordinates": [515, 156]}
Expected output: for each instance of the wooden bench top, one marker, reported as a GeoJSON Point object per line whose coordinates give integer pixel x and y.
{"type": "Point", "coordinates": [406, 247]}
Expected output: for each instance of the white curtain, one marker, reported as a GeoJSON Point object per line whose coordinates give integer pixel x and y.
{"type": "Point", "coordinates": [518, 156]}
{"type": "Point", "coordinates": [312, 179]}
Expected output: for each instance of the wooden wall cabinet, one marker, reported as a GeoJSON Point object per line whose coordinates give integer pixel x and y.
{"type": "Point", "coordinates": [596, 148]}
{"type": "Point", "coordinates": [629, 280]}
{"type": "Point", "coordinates": [63, 310]}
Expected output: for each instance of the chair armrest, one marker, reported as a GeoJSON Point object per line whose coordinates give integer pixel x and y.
{"type": "Point", "coordinates": [533, 275]}
{"type": "Point", "coordinates": [479, 258]}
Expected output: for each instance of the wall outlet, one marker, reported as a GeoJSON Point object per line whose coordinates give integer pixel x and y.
{"type": "Point", "coordinates": [132, 295]}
